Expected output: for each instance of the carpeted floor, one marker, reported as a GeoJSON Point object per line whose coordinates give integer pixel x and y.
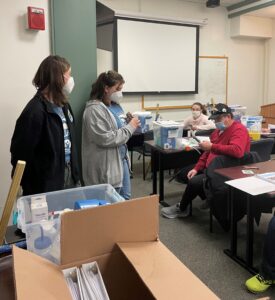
{"type": "Point", "coordinates": [201, 251]}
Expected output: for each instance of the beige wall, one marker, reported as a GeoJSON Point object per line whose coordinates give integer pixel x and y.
{"type": "Point", "coordinates": [246, 55]}
{"type": "Point", "coordinates": [270, 69]}
{"type": "Point", "coordinates": [21, 53]}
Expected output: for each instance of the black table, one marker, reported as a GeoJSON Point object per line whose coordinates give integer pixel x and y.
{"type": "Point", "coordinates": [236, 173]}
{"type": "Point", "coordinates": [162, 159]}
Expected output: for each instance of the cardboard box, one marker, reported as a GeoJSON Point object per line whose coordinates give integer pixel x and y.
{"type": "Point", "coordinates": [123, 239]}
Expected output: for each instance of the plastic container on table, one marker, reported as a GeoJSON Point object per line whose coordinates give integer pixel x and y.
{"type": "Point", "coordinates": [168, 134]}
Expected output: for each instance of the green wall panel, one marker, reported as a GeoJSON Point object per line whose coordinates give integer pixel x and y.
{"type": "Point", "coordinates": [74, 37]}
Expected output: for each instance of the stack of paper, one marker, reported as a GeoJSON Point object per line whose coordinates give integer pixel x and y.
{"type": "Point", "coordinates": [191, 142]}
{"type": "Point", "coordinates": [270, 177]}
{"type": "Point", "coordinates": [86, 283]}
{"type": "Point", "coordinates": [252, 185]}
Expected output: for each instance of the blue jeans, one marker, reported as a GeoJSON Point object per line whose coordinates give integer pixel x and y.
{"type": "Point", "coordinates": [125, 190]}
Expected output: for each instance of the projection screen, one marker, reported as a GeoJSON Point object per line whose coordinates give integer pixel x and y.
{"type": "Point", "coordinates": [156, 57]}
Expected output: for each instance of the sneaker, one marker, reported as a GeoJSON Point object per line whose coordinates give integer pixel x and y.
{"type": "Point", "coordinates": [174, 211]}
{"type": "Point", "coordinates": [258, 284]}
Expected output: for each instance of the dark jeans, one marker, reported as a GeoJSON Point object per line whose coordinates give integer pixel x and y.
{"type": "Point", "coordinates": [268, 262]}
{"type": "Point", "coordinates": [193, 189]}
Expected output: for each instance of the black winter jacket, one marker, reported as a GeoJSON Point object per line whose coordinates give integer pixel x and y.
{"type": "Point", "coordinates": [38, 139]}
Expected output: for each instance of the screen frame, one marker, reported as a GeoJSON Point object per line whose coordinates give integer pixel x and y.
{"type": "Point", "coordinates": [115, 55]}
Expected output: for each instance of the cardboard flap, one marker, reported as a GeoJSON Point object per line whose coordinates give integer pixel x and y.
{"type": "Point", "coordinates": [163, 273]}
{"type": "Point", "coordinates": [95, 231]}
{"type": "Point", "coordinates": [37, 278]}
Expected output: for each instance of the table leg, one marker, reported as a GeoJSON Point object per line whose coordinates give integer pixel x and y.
{"type": "Point", "coordinates": [250, 233]}
{"type": "Point", "coordinates": [234, 223]}
{"type": "Point", "coordinates": [232, 252]}
{"type": "Point", "coordinates": [154, 169]}
{"type": "Point", "coordinates": [161, 180]}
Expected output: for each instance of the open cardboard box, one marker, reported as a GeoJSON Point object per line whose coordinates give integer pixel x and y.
{"type": "Point", "coordinates": [123, 239]}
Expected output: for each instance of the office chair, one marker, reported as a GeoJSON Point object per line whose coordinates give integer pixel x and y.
{"type": "Point", "coordinates": [263, 147]}
{"type": "Point", "coordinates": [204, 132]}
{"type": "Point", "coordinates": [141, 148]}
{"type": "Point", "coordinates": [216, 190]}
{"type": "Point", "coordinates": [146, 151]}
{"type": "Point", "coordinates": [135, 143]}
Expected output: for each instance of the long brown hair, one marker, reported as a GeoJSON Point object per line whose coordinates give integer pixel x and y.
{"type": "Point", "coordinates": [109, 79]}
{"type": "Point", "coordinates": [202, 107]}
{"type": "Point", "coordinates": [49, 78]}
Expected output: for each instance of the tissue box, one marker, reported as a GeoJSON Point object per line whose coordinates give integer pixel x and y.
{"type": "Point", "coordinates": [39, 208]}
{"type": "Point", "coordinates": [167, 134]}
{"type": "Point", "coordinates": [145, 118]}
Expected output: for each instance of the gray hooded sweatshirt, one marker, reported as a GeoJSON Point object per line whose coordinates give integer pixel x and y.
{"type": "Point", "coordinates": [101, 138]}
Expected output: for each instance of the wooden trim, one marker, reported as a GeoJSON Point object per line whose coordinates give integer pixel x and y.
{"type": "Point", "coordinates": [171, 107]}
{"type": "Point", "coordinates": [15, 184]}
{"type": "Point", "coordinates": [266, 105]}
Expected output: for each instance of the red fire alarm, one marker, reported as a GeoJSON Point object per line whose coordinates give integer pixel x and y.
{"type": "Point", "coordinates": [36, 18]}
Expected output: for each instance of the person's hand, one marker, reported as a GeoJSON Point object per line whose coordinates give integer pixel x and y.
{"type": "Point", "coordinates": [205, 145]}
{"type": "Point", "coordinates": [129, 117]}
{"type": "Point", "coordinates": [192, 173]}
{"type": "Point", "coordinates": [266, 130]}
{"type": "Point", "coordinates": [194, 127]}
{"type": "Point", "coordinates": [135, 122]}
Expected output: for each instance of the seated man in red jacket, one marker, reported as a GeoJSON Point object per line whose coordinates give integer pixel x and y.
{"type": "Point", "coordinates": [230, 138]}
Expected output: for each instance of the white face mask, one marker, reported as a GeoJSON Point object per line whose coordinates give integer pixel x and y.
{"type": "Point", "coordinates": [69, 85]}
{"type": "Point", "coordinates": [116, 97]}
{"type": "Point", "coordinates": [196, 114]}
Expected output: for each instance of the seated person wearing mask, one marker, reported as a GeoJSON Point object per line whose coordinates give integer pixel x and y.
{"type": "Point", "coordinates": [199, 119]}
{"type": "Point", "coordinates": [230, 138]}
{"type": "Point", "coordinates": [266, 278]}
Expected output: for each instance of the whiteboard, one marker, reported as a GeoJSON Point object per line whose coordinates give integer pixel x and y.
{"type": "Point", "coordinates": [213, 79]}
{"type": "Point", "coordinates": [157, 57]}
{"type": "Point", "coordinates": [213, 84]}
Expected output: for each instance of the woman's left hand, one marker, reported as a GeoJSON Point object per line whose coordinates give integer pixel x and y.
{"type": "Point", "coordinates": [129, 117]}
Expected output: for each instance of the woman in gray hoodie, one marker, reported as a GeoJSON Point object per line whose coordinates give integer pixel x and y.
{"type": "Point", "coordinates": [105, 134]}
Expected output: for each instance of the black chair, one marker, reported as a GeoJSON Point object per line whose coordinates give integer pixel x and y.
{"type": "Point", "coordinates": [146, 150]}
{"type": "Point", "coordinates": [198, 132]}
{"type": "Point", "coordinates": [263, 147]}
{"type": "Point", "coordinates": [185, 132]}
{"type": "Point", "coordinates": [142, 149]}
{"type": "Point", "coordinates": [204, 132]}
{"type": "Point", "coordinates": [217, 192]}
{"type": "Point", "coordinates": [135, 143]}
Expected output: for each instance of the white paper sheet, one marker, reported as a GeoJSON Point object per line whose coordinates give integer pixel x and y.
{"type": "Point", "coordinates": [252, 185]}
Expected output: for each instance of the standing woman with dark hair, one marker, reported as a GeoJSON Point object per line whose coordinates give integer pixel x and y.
{"type": "Point", "coordinates": [44, 133]}
{"type": "Point", "coordinates": [105, 133]}
{"type": "Point", "coordinates": [199, 119]}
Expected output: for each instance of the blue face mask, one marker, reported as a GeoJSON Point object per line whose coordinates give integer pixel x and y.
{"type": "Point", "coordinates": [220, 126]}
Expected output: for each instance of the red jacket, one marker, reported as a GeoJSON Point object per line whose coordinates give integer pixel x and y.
{"type": "Point", "coordinates": [234, 141]}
